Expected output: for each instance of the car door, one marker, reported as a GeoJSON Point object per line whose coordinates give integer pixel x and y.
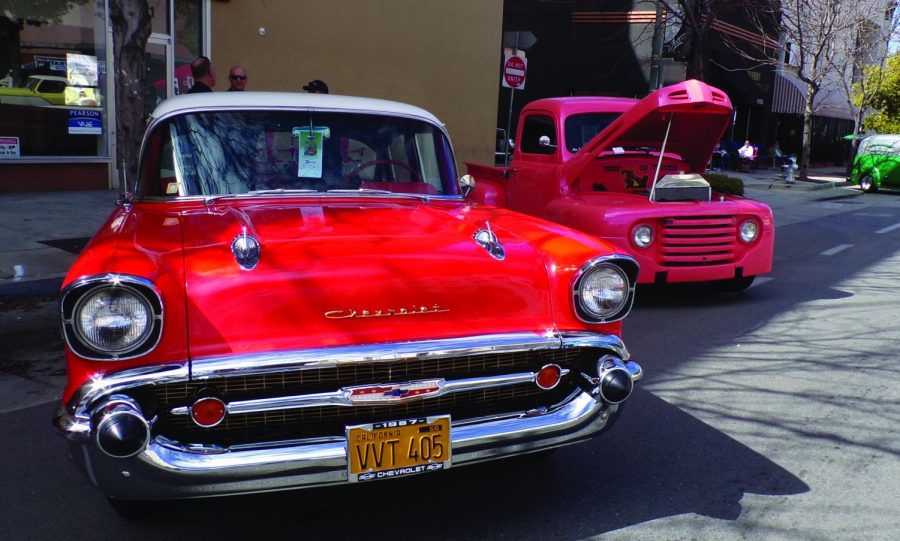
{"type": "Point", "coordinates": [532, 179]}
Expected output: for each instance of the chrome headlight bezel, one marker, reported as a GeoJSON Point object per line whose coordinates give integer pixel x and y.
{"type": "Point", "coordinates": [639, 233]}
{"type": "Point", "coordinates": [749, 231]}
{"type": "Point", "coordinates": [75, 298]}
{"type": "Point", "coordinates": [623, 266]}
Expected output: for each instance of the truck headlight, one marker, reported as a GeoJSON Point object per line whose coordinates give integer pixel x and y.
{"type": "Point", "coordinates": [604, 289]}
{"type": "Point", "coordinates": [749, 231]}
{"type": "Point", "coordinates": [111, 317]}
{"type": "Point", "coordinates": [642, 236]}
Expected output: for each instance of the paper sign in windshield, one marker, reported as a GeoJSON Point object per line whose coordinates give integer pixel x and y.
{"type": "Point", "coordinates": [309, 160]}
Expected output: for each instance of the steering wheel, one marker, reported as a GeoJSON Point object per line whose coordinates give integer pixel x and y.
{"type": "Point", "coordinates": [373, 163]}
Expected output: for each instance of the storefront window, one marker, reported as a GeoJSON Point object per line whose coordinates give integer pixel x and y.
{"type": "Point", "coordinates": [53, 70]}
{"type": "Point", "coordinates": [188, 41]}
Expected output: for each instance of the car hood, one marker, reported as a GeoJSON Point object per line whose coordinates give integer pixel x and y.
{"type": "Point", "coordinates": [354, 272]}
{"type": "Point", "coordinates": [700, 113]}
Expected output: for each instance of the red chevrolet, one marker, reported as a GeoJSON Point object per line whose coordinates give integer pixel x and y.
{"type": "Point", "coordinates": [630, 172]}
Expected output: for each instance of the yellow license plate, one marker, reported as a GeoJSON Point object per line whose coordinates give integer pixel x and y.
{"type": "Point", "coordinates": [398, 448]}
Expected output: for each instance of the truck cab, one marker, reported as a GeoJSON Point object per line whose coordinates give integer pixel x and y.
{"type": "Point", "coordinates": [630, 172]}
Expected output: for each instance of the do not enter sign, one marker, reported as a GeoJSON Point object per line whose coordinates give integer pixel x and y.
{"type": "Point", "coordinates": [514, 69]}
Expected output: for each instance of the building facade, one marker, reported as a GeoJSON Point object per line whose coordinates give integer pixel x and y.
{"type": "Point", "coordinates": [57, 100]}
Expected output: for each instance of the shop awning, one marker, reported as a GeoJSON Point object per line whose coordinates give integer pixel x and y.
{"type": "Point", "coordinates": [789, 94]}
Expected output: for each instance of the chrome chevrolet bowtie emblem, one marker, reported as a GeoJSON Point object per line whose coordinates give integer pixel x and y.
{"type": "Point", "coordinates": [393, 392]}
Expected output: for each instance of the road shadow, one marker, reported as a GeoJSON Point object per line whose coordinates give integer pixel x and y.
{"type": "Point", "coordinates": [656, 462]}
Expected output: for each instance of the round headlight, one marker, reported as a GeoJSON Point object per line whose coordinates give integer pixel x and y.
{"type": "Point", "coordinates": [642, 236]}
{"type": "Point", "coordinates": [749, 231]}
{"type": "Point", "coordinates": [602, 292]}
{"type": "Point", "coordinates": [113, 319]}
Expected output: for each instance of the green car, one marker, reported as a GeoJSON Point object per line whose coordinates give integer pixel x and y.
{"type": "Point", "coordinates": [877, 163]}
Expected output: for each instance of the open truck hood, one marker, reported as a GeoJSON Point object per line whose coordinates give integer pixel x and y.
{"type": "Point", "coordinates": [699, 113]}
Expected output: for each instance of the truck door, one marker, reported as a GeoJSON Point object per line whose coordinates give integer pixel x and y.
{"type": "Point", "coordinates": [532, 176]}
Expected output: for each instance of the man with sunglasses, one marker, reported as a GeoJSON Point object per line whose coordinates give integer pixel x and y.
{"type": "Point", "coordinates": [237, 77]}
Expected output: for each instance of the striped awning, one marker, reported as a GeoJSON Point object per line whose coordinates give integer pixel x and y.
{"type": "Point", "coordinates": [789, 94]}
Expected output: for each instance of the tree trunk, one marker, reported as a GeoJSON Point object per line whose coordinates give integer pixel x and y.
{"type": "Point", "coordinates": [131, 27]}
{"type": "Point", "coordinates": [807, 132]}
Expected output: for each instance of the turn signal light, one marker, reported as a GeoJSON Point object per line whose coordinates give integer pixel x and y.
{"type": "Point", "coordinates": [548, 376]}
{"type": "Point", "coordinates": [208, 412]}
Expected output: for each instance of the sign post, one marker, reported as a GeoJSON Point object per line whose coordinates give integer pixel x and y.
{"type": "Point", "coordinates": [515, 67]}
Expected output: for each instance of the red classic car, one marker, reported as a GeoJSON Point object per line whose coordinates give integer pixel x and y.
{"type": "Point", "coordinates": [629, 172]}
{"type": "Point", "coordinates": [298, 293]}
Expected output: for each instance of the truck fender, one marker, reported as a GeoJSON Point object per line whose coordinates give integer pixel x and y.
{"type": "Point", "coordinates": [490, 184]}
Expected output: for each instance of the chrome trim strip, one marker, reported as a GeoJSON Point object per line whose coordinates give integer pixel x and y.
{"type": "Point", "coordinates": [76, 423]}
{"type": "Point", "coordinates": [342, 396]}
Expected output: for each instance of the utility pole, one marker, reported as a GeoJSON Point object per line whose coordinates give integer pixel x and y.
{"type": "Point", "coordinates": [655, 81]}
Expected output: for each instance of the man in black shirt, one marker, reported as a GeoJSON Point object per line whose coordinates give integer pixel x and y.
{"type": "Point", "coordinates": [204, 76]}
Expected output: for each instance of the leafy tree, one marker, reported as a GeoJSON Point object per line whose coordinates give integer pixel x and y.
{"type": "Point", "coordinates": [885, 103]}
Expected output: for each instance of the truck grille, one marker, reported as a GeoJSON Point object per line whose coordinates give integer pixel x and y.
{"type": "Point", "coordinates": [697, 241]}
{"type": "Point", "coordinates": [330, 421]}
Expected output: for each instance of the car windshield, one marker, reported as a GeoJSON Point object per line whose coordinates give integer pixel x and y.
{"type": "Point", "coordinates": [239, 152]}
{"type": "Point", "coordinates": [582, 128]}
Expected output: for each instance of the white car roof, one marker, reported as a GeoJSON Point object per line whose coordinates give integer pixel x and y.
{"type": "Point", "coordinates": [48, 77]}
{"type": "Point", "coordinates": [286, 100]}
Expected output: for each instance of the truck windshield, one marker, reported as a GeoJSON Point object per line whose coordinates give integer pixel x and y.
{"type": "Point", "coordinates": [582, 128]}
{"type": "Point", "coordinates": [238, 152]}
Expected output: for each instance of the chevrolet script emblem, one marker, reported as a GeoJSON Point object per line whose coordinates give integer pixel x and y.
{"type": "Point", "coordinates": [394, 392]}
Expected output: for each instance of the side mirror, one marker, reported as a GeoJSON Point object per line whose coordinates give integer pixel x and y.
{"type": "Point", "coordinates": [466, 184]}
{"type": "Point", "coordinates": [544, 141]}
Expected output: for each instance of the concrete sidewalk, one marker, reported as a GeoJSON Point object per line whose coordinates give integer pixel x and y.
{"type": "Point", "coordinates": [46, 230]}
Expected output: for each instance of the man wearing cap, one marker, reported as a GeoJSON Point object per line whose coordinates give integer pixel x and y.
{"type": "Point", "coordinates": [316, 87]}
{"type": "Point", "coordinates": [237, 78]}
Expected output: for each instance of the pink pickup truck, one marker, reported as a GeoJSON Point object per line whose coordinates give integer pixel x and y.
{"type": "Point", "coordinates": [630, 172]}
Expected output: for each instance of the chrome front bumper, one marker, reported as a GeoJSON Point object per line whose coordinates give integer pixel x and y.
{"type": "Point", "coordinates": [167, 469]}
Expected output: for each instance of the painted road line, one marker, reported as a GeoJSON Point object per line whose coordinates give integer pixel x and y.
{"type": "Point", "coordinates": [888, 229]}
{"type": "Point", "coordinates": [837, 249]}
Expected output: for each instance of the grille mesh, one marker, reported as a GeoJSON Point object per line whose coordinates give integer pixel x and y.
{"type": "Point", "coordinates": [331, 420]}
{"type": "Point", "coordinates": [697, 241]}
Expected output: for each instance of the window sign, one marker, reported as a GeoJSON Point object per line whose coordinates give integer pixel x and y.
{"type": "Point", "coordinates": [81, 70]}
{"type": "Point", "coordinates": [85, 122]}
{"type": "Point", "coordinates": [9, 147]}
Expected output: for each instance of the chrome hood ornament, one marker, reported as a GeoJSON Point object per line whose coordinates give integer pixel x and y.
{"type": "Point", "coordinates": [245, 249]}
{"type": "Point", "coordinates": [488, 240]}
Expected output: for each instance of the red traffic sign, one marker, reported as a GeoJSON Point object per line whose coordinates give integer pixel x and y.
{"type": "Point", "coordinates": [514, 70]}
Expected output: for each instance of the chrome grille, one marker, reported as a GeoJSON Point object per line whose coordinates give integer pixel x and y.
{"type": "Point", "coordinates": [696, 241]}
{"type": "Point", "coordinates": [322, 421]}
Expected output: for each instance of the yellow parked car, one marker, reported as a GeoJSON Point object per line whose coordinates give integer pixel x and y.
{"type": "Point", "coordinates": [39, 90]}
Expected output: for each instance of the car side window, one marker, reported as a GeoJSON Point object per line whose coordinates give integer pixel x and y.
{"type": "Point", "coordinates": [535, 127]}
{"type": "Point", "coordinates": [53, 87]}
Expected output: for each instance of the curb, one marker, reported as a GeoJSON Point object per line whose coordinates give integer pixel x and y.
{"type": "Point", "coordinates": [30, 290]}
